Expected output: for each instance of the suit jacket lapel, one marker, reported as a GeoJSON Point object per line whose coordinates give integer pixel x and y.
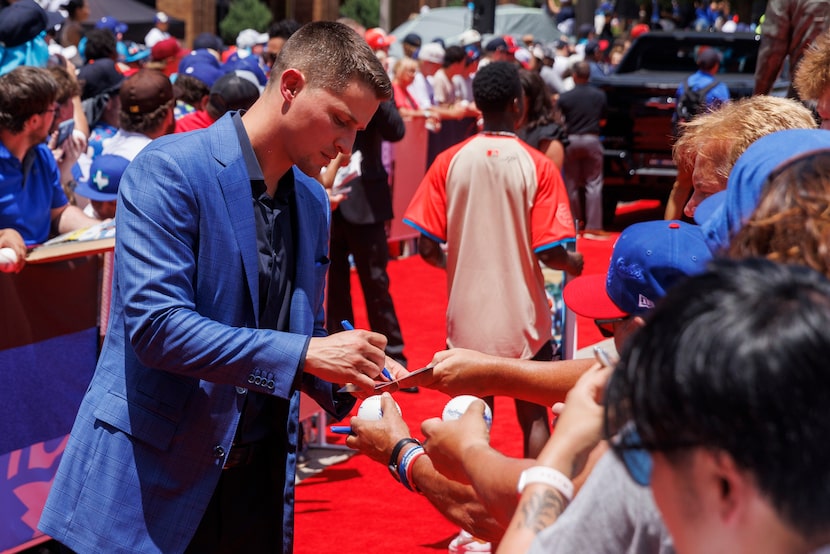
{"type": "Point", "coordinates": [235, 185]}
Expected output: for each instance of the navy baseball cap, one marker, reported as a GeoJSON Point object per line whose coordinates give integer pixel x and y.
{"type": "Point", "coordinates": [104, 177]}
{"type": "Point", "coordinates": [233, 92]}
{"type": "Point", "coordinates": [413, 40]}
{"type": "Point", "coordinates": [98, 77]}
{"type": "Point", "coordinates": [21, 22]}
{"type": "Point", "coordinates": [648, 258]}
{"type": "Point", "coordinates": [208, 40]}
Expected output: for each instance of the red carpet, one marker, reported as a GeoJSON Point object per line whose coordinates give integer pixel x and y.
{"type": "Point", "coordinates": [356, 506]}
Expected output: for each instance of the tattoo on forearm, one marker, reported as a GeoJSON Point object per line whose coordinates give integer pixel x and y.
{"type": "Point", "coordinates": [540, 510]}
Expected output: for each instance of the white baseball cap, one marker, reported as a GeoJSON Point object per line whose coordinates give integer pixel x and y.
{"type": "Point", "coordinates": [431, 52]}
{"type": "Point", "coordinates": [470, 36]}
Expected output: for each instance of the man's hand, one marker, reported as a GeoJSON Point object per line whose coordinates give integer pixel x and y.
{"type": "Point", "coordinates": [10, 238]}
{"type": "Point", "coordinates": [348, 357]}
{"type": "Point", "coordinates": [455, 371]}
{"type": "Point", "coordinates": [579, 427]}
{"type": "Point", "coordinates": [377, 438]}
{"type": "Point", "coordinates": [448, 443]}
{"type": "Point", "coordinates": [575, 263]}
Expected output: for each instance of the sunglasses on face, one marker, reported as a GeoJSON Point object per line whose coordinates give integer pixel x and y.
{"type": "Point", "coordinates": [628, 447]}
{"type": "Point", "coordinates": [636, 455]}
{"type": "Point", "coordinates": [606, 326]}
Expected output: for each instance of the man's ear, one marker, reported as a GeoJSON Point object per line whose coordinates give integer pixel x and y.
{"type": "Point", "coordinates": [292, 82]}
{"type": "Point", "coordinates": [731, 488]}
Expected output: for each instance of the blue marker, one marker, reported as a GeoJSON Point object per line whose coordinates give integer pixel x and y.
{"type": "Point", "coordinates": [341, 429]}
{"type": "Point", "coordinates": [347, 325]}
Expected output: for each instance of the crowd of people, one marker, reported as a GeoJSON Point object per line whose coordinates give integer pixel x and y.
{"type": "Point", "coordinates": [247, 181]}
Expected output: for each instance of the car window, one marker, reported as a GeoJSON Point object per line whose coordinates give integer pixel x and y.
{"type": "Point", "coordinates": [677, 53]}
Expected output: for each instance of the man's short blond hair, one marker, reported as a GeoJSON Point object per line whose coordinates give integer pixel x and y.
{"type": "Point", "coordinates": [812, 76]}
{"type": "Point", "coordinates": [723, 134]}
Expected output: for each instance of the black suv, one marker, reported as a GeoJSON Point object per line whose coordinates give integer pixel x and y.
{"type": "Point", "coordinates": [637, 137]}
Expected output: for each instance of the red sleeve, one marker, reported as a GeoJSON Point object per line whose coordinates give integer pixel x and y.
{"type": "Point", "coordinates": [551, 221]}
{"type": "Point", "coordinates": [427, 211]}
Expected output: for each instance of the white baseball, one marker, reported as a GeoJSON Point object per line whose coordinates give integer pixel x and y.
{"type": "Point", "coordinates": [456, 407]}
{"type": "Point", "coordinates": [8, 260]}
{"type": "Point", "coordinates": [371, 409]}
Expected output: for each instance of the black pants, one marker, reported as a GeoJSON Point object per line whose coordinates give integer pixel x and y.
{"type": "Point", "coordinates": [367, 244]}
{"type": "Point", "coordinates": [246, 510]}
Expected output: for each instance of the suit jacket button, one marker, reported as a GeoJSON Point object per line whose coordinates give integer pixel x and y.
{"type": "Point", "coordinates": [251, 378]}
{"type": "Point", "coordinates": [258, 380]}
{"type": "Point", "coordinates": [218, 452]}
{"type": "Point", "coordinates": [241, 390]}
{"type": "Point", "coordinates": [270, 384]}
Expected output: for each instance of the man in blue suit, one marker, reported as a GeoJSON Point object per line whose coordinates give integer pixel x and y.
{"type": "Point", "coordinates": [186, 438]}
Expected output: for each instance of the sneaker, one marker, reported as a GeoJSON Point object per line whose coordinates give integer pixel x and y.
{"type": "Point", "coordinates": [465, 542]}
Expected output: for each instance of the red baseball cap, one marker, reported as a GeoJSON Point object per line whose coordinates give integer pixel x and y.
{"type": "Point", "coordinates": [378, 39]}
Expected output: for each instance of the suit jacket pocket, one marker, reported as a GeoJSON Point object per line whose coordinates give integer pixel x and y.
{"type": "Point", "coordinates": [136, 421]}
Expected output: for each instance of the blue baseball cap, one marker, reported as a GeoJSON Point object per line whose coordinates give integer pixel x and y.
{"type": "Point", "coordinates": [725, 212]}
{"type": "Point", "coordinates": [104, 177]}
{"type": "Point", "coordinates": [200, 56]}
{"type": "Point", "coordinates": [112, 24]}
{"type": "Point", "coordinates": [204, 72]}
{"type": "Point", "coordinates": [136, 52]}
{"type": "Point", "coordinates": [648, 258]}
{"type": "Point", "coordinates": [247, 63]}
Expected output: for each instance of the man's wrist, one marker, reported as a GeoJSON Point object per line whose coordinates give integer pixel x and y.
{"type": "Point", "coordinates": [397, 451]}
{"type": "Point", "coordinates": [547, 476]}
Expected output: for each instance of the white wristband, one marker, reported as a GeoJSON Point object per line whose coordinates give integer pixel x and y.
{"type": "Point", "coordinates": [547, 476]}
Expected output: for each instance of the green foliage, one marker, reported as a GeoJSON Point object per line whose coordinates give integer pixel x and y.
{"type": "Point", "coordinates": [244, 14]}
{"type": "Point", "coordinates": [366, 12]}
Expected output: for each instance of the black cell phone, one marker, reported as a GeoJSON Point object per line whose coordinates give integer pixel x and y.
{"type": "Point", "coordinates": [65, 129]}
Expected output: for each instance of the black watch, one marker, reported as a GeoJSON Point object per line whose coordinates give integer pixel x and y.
{"type": "Point", "coordinates": [393, 459]}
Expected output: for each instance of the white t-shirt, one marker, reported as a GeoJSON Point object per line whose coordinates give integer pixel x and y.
{"type": "Point", "coordinates": [155, 35]}
{"type": "Point", "coordinates": [125, 144]}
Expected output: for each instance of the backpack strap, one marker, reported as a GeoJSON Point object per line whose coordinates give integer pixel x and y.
{"type": "Point", "coordinates": [705, 90]}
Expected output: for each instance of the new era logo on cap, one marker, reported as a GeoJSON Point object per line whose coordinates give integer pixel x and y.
{"type": "Point", "coordinates": [644, 303]}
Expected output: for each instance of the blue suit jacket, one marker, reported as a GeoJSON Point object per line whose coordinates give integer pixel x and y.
{"type": "Point", "coordinates": [183, 348]}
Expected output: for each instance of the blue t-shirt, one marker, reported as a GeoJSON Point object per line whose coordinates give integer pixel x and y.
{"type": "Point", "coordinates": [700, 79]}
{"type": "Point", "coordinates": [29, 191]}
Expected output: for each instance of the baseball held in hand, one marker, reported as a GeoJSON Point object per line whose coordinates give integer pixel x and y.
{"type": "Point", "coordinates": [371, 408]}
{"type": "Point", "coordinates": [456, 407]}
{"type": "Point", "coordinates": [8, 260]}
